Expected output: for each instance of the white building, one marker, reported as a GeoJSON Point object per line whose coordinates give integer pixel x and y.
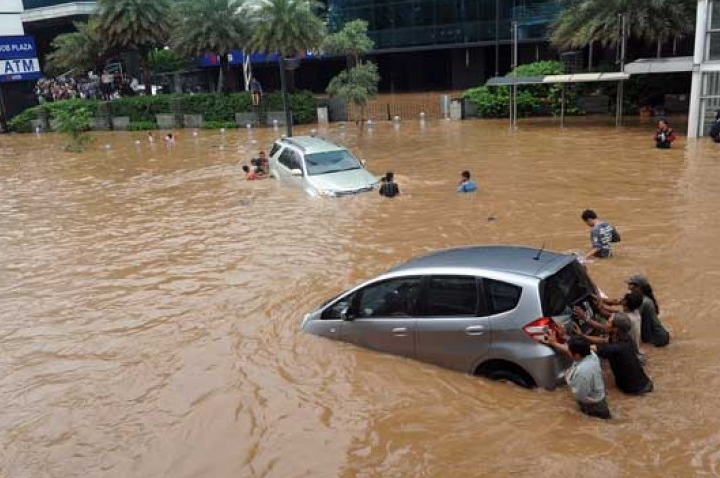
{"type": "Point", "coordinates": [11, 18]}
{"type": "Point", "coordinates": [705, 93]}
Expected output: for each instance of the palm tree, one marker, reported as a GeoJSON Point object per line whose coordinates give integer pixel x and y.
{"type": "Point", "coordinates": [81, 50]}
{"type": "Point", "coordinates": [136, 25]}
{"type": "Point", "coordinates": [212, 26]}
{"type": "Point", "coordinates": [287, 27]}
{"type": "Point", "coordinates": [585, 21]}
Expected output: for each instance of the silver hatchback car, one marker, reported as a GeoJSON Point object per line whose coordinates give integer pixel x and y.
{"type": "Point", "coordinates": [319, 167]}
{"type": "Point", "coordinates": [476, 309]}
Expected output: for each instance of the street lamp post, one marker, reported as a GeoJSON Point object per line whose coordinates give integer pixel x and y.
{"type": "Point", "coordinates": [287, 64]}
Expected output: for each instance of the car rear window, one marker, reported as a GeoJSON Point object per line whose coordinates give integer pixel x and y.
{"type": "Point", "coordinates": [568, 286]}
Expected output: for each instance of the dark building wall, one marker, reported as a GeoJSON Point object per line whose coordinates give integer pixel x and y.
{"type": "Point", "coordinates": [468, 67]}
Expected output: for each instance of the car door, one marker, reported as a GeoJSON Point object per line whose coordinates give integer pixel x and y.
{"type": "Point", "coordinates": [289, 160]}
{"type": "Point", "coordinates": [383, 316]}
{"type": "Point", "coordinates": [452, 329]}
{"type": "Point", "coordinates": [331, 319]}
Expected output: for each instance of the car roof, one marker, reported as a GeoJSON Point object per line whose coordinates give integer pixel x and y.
{"type": "Point", "coordinates": [311, 144]}
{"type": "Point", "coordinates": [527, 261]}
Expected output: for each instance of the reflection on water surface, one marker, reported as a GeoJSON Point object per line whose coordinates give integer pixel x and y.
{"type": "Point", "coordinates": [150, 302]}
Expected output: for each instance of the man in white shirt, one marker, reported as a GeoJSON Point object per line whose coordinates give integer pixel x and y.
{"type": "Point", "coordinates": [584, 377]}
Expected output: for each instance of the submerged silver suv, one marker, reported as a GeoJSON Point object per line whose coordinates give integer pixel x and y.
{"type": "Point", "coordinates": [319, 167]}
{"type": "Point", "coordinates": [474, 309]}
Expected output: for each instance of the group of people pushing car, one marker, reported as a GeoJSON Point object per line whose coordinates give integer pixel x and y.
{"type": "Point", "coordinates": [610, 329]}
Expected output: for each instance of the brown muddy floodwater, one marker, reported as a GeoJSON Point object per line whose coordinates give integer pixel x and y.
{"type": "Point", "coordinates": [150, 302]}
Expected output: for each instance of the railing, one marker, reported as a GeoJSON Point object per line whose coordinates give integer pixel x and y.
{"type": "Point", "coordinates": [387, 109]}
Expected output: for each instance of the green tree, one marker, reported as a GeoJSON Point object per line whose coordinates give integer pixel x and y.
{"type": "Point", "coordinates": [74, 123]}
{"type": "Point", "coordinates": [80, 51]}
{"type": "Point", "coordinates": [357, 85]}
{"type": "Point", "coordinates": [212, 26]}
{"type": "Point", "coordinates": [166, 61]}
{"type": "Point", "coordinates": [136, 25]}
{"type": "Point", "coordinates": [287, 27]}
{"type": "Point", "coordinates": [352, 40]}
{"type": "Point", "coordinates": [585, 21]}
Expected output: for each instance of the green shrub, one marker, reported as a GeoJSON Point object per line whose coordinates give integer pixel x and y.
{"type": "Point", "coordinates": [21, 122]}
{"type": "Point", "coordinates": [141, 126]}
{"type": "Point", "coordinates": [216, 108]}
{"type": "Point", "coordinates": [74, 123]}
{"type": "Point", "coordinates": [303, 106]}
{"type": "Point", "coordinates": [493, 102]}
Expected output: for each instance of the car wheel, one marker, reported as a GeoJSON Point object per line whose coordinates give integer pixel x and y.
{"type": "Point", "coordinates": [501, 375]}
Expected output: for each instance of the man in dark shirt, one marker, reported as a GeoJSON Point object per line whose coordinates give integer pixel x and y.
{"type": "Point", "coordinates": [621, 352]}
{"type": "Point", "coordinates": [388, 188]}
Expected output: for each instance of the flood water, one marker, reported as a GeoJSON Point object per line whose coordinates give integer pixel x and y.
{"type": "Point", "coordinates": [150, 303]}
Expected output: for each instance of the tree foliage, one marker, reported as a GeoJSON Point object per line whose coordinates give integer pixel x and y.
{"type": "Point", "coordinates": [81, 50]}
{"type": "Point", "coordinates": [217, 26]}
{"type": "Point", "coordinates": [136, 25]}
{"type": "Point", "coordinates": [493, 102]}
{"type": "Point", "coordinates": [357, 85]}
{"type": "Point", "coordinates": [351, 41]}
{"type": "Point", "coordinates": [166, 61]}
{"type": "Point", "coordinates": [212, 26]}
{"type": "Point", "coordinates": [74, 123]}
{"type": "Point", "coordinates": [286, 27]}
{"type": "Point", "coordinates": [585, 21]}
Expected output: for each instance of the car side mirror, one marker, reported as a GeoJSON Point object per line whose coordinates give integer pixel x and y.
{"type": "Point", "coordinates": [346, 314]}
{"type": "Point", "coordinates": [363, 162]}
{"type": "Point", "coordinates": [296, 172]}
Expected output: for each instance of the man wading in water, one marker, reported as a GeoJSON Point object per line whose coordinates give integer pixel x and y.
{"type": "Point", "coordinates": [584, 377]}
{"type": "Point", "coordinates": [601, 235]}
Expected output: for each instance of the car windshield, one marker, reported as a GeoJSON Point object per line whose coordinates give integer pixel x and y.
{"type": "Point", "coordinates": [564, 289]}
{"type": "Point", "coordinates": [331, 162]}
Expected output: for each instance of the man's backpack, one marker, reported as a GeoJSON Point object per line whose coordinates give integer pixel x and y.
{"type": "Point", "coordinates": [614, 235]}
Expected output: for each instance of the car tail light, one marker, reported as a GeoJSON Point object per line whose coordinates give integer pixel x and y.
{"type": "Point", "coordinates": [540, 328]}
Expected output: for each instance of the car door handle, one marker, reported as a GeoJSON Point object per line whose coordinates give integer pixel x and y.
{"type": "Point", "coordinates": [475, 330]}
{"type": "Point", "coordinates": [400, 331]}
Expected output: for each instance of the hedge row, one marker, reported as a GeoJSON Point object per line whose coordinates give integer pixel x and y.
{"type": "Point", "coordinates": [216, 108]}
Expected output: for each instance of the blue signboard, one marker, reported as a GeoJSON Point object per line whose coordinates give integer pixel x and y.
{"type": "Point", "coordinates": [236, 57]}
{"type": "Point", "coordinates": [18, 59]}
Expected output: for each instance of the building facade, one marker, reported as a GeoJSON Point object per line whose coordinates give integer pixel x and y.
{"type": "Point", "coordinates": [705, 92]}
{"type": "Point", "coordinates": [447, 44]}
{"type": "Point", "coordinates": [19, 64]}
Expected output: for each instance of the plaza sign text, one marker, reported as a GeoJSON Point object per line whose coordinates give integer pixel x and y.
{"type": "Point", "coordinates": [18, 59]}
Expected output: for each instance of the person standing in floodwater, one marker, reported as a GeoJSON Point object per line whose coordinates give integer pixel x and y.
{"type": "Point", "coordinates": [256, 91]}
{"type": "Point", "coordinates": [584, 377]}
{"type": "Point", "coordinates": [715, 130]}
{"type": "Point", "coordinates": [601, 235]}
{"type": "Point", "coordinates": [651, 329]}
{"type": "Point", "coordinates": [466, 184]}
{"type": "Point", "coordinates": [388, 187]}
{"type": "Point", "coordinates": [664, 136]}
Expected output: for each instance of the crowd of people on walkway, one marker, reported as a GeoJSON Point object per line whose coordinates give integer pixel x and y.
{"type": "Point", "coordinates": [107, 86]}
